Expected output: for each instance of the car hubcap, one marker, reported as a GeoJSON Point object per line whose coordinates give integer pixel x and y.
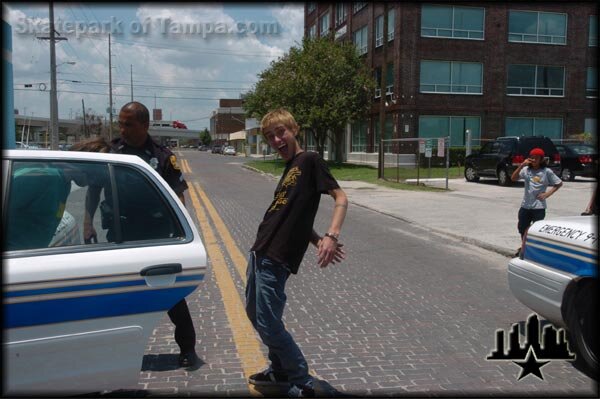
{"type": "Point", "coordinates": [566, 174]}
{"type": "Point", "coordinates": [502, 177]}
{"type": "Point", "coordinates": [470, 174]}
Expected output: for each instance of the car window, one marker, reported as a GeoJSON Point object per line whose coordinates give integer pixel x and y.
{"type": "Point", "coordinates": [46, 203]}
{"type": "Point", "coordinates": [143, 211]}
{"type": "Point", "coordinates": [495, 147]}
{"type": "Point", "coordinates": [486, 149]}
{"type": "Point", "coordinates": [583, 149]}
{"type": "Point", "coordinates": [506, 146]}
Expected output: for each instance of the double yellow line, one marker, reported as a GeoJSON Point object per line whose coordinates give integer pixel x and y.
{"type": "Point", "coordinates": [244, 336]}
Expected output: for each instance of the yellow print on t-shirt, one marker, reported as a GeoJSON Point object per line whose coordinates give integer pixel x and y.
{"type": "Point", "coordinates": [290, 180]}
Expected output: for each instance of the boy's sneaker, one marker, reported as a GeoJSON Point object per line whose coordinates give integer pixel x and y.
{"type": "Point", "coordinates": [269, 377]}
{"type": "Point", "coordinates": [301, 391]}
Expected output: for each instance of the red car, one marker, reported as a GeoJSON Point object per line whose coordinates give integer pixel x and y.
{"type": "Point", "coordinates": [179, 125]}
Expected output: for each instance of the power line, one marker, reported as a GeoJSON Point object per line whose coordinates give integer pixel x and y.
{"type": "Point", "coordinates": [153, 86]}
{"type": "Point", "coordinates": [124, 95]}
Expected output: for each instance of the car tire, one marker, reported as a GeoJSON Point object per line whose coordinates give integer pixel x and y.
{"type": "Point", "coordinates": [471, 174]}
{"type": "Point", "coordinates": [567, 174]}
{"type": "Point", "coordinates": [503, 177]}
{"type": "Point", "coordinates": [582, 323]}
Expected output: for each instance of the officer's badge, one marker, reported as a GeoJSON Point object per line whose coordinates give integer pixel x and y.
{"type": "Point", "coordinates": [173, 160]}
{"type": "Point", "coordinates": [154, 163]}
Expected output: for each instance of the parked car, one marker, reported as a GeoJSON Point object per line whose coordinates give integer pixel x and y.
{"type": "Point", "coordinates": [229, 150]}
{"type": "Point", "coordinates": [216, 149]}
{"type": "Point", "coordinates": [202, 148]}
{"type": "Point", "coordinates": [577, 160]}
{"type": "Point", "coordinates": [556, 276]}
{"type": "Point", "coordinates": [78, 316]}
{"type": "Point", "coordinates": [499, 158]}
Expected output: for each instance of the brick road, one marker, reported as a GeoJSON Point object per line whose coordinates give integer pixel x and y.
{"type": "Point", "coordinates": [408, 313]}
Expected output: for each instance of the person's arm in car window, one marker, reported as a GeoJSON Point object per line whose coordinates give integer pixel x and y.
{"type": "Point", "coordinates": [92, 199]}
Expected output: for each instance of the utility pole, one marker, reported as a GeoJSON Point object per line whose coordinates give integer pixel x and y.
{"type": "Point", "coordinates": [383, 97]}
{"type": "Point", "coordinates": [131, 70]}
{"type": "Point", "coordinates": [110, 126]}
{"type": "Point", "coordinates": [53, 95]}
{"type": "Point", "coordinates": [84, 126]}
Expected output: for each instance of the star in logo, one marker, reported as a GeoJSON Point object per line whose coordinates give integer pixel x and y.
{"type": "Point", "coordinates": [531, 365]}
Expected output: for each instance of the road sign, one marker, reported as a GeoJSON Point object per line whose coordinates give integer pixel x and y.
{"type": "Point", "coordinates": [428, 146]}
{"type": "Point", "coordinates": [441, 147]}
{"type": "Point", "coordinates": [421, 146]}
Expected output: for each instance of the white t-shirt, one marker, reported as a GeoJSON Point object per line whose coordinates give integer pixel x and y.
{"type": "Point", "coordinates": [536, 182]}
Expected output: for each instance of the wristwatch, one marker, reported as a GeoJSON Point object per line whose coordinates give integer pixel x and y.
{"type": "Point", "coordinates": [333, 236]}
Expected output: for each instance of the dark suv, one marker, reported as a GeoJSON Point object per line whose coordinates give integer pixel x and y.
{"type": "Point", "coordinates": [499, 158]}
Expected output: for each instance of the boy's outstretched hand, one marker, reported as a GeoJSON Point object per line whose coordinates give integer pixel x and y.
{"type": "Point", "coordinates": [329, 251]}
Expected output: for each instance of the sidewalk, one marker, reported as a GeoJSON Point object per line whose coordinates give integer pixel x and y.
{"type": "Point", "coordinates": [483, 214]}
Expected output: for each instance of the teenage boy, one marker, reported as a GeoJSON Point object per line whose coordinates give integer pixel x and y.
{"type": "Point", "coordinates": [537, 178]}
{"type": "Point", "coordinates": [281, 241]}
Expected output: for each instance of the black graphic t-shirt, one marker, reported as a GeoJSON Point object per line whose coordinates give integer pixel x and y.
{"type": "Point", "coordinates": [285, 231]}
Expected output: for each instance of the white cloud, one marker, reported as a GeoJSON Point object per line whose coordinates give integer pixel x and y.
{"type": "Point", "coordinates": [216, 62]}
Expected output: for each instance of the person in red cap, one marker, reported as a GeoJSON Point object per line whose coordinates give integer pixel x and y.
{"type": "Point", "coordinates": [537, 178]}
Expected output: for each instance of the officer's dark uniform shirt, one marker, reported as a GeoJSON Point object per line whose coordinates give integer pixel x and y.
{"type": "Point", "coordinates": [142, 212]}
{"type": "Point", "coordinates": [285, 231]}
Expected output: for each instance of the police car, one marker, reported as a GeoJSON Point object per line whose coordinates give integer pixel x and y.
{"type": "Point", "coordinates": [556, 276]}
{"type": "Point", "coordinates": [77, 315]}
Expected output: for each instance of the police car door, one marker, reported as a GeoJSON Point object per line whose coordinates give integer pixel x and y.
{"type": "Point", "coordinates": [77, 316]}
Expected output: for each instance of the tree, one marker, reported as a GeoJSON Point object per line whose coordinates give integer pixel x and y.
{"type": "Point", "coordinates": [93, 126]}
{"type": "Point", "coordinates": [325, 84]}
{"type": "Point", "coordinates": [205, 138]}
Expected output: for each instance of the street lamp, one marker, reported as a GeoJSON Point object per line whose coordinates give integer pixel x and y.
{"type": "Point", "coordinates": [67, 62]}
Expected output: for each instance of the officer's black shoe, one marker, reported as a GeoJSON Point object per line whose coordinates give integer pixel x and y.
{"type": "Point", "coordinates": [188, 359]}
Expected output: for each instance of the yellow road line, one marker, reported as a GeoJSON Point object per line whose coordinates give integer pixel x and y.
{"type": "Point", "coordinates": [244, 337]}
{"type": "Point", "coordinates": [239, 260]}
{"type": "Point", "coordinates": [185, 166]}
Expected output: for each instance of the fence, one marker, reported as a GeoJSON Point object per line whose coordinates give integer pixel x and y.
{"type": "Point", "coordinates": [413, 159]}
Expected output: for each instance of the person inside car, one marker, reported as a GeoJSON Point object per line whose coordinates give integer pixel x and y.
{"type": "Point", "coordinates": [537, 178]}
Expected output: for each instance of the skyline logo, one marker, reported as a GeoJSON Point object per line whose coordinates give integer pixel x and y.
{"type": "Point", "coordinates": [552, 346]}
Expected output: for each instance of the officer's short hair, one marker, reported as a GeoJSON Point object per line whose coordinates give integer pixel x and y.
{"type": "Point", "coordinates": [279, 116]}
{"type": "Point", "coordinates": [141, 112]}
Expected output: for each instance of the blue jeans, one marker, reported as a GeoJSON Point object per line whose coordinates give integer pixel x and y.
{"type": "Point", "coordinates": [265, 301]}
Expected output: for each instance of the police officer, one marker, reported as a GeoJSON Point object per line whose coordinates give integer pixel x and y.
{"type": "Point", "coordinates": [134, 120]}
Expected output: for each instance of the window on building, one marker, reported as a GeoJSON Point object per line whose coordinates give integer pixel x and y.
{"type": "Point", "coordinates": [451, 77]}
{"type": "Point", "coordinates": [312, 31]}
{"type": "Point", "coordinates": [356, 7]}
{"type": "Point", "coordinates": [361, 40]}
{"type": "Point", "coordinates": [311, 6]}
{"type": "Point", "coordinates": [549, 127]}
{"type": "Point", "coordinates": [591, 127]}
{"type": "Point", "coordinates": [391, 24]}
{"type": "Point", "coordinates": [454, 22]}
{"type": "Point", "coordinates": [377, 78]}
{"type": "Point", "coordinates": [359, 136]}
{"type": "Point", "coordinates": [379, 31]}
{"type": "Point", "coordinates": [591, 86]}
{"type": "Point", "coordinates": [341, 13]}
{"type": "Point", "coordinates": [593, 31]}
{"type": "Point", "coordinates": [537, 27]}
{"type": "Point", "coordinates": [454, 126]}
{"type": "Point", "coordinates": [388, 134]}
{"type": "Point", "coordinates": [389, 79]}
{"type": "Point", "coordinates": [535, 80]}
{"type": "Point", "coordinates": [324, 25]}
{"type": "Point", "coordinates": [310, 142]}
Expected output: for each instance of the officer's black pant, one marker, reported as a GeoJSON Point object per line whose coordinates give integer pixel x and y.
{"type": "Point", "coordinates": [185, 336]}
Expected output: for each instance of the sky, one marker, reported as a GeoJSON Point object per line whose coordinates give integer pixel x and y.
{"type": "Point", "coordinates": [187, 55]}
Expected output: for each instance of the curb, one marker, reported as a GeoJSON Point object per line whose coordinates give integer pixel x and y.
{"type": "Point", "coordinates": [473, 241]}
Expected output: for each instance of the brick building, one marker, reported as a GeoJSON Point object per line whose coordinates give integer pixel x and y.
{"type": "Point", "coordinates": [227, 119]}
{"type": "Point", "coordinates": [494, 68]}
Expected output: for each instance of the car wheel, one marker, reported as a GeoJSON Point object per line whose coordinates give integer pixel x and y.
{"type": "Point", "coordinates": [503, 177]}
{"type": "Point", "coordinates": [582, 322]}
{"type": "Point", "coordinates": [471, 174]}
{"type": "Point", "coordinates": [567, 174]}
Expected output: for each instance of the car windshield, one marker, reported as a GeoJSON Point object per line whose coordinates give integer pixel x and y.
{"type": "Point", "coordinates": [581, 149]}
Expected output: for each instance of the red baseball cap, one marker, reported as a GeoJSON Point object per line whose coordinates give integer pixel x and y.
{"type": "Point", "coordinates": [537, 151]}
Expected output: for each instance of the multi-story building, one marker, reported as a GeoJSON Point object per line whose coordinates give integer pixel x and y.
{"type": "Point", "coordinates": [494, 68]}
{"type": "Point", "coordinates": [227, 119]}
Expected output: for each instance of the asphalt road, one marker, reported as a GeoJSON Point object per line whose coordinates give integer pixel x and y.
{"type": "Point", "coordinates": [408, 311]}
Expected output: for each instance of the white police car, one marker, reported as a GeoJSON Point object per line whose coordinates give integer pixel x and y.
{"type": "Point", "coordinates": [77, 316]}
{"type": "Point", "coordinates": [557, 277]}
